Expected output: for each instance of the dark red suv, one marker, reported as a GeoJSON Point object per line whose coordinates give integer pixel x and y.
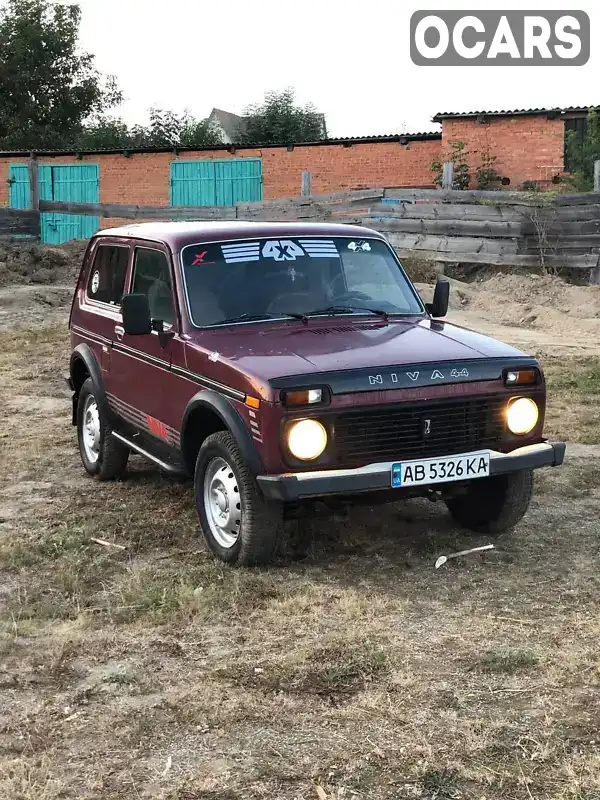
{"type": "Point", "coordinates": [279, 364]}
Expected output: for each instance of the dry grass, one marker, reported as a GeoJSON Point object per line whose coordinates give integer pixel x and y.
{"type": "Point", "coordinates": [574, 397]}
{"type": "Point", "coordinates": [155, 672]}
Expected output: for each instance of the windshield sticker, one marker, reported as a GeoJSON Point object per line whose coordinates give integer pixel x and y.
{"type": "Point", "coordinates": [284, 250]}
{"type": "Point", "coordinates": [199, 259]}
{"type": "Point", "coordinates": [245, 251]}
{"type": "Point", "coordinates": [95, 282]}
{"type": "Point", "coordinates": [354, 246]}
{"type": "Point", "coordinates": [320, 248]}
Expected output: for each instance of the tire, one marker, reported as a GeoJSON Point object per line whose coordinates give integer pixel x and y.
{"type": "Point", "coordinates": [102, 455]}
{"type": "Point", "coordinates": [493, 505]}
{"type": "Point", "coordinates": [242, 533]}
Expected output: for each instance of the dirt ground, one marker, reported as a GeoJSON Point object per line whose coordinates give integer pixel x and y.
{"type": "Point", "coordinates": [148, 670]}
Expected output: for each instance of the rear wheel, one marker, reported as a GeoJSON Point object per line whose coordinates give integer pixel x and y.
{"type": "Point", "coordinates": [239, 525]}
{"type": "Point", "coordinates": [493, 505]}
{"type": "Point", "coordinates": [102, 455]}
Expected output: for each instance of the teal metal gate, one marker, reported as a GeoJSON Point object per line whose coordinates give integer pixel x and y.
{"type": "Point", "coordinates": [75, 183]}
{"type": "Point", "coordinates": [216, 182]}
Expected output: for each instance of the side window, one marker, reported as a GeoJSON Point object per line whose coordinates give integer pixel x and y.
{"type": "Point", "coordinates": [107, 277]}
{"type": "Point", "coordinates": [152, 277]}
{"type": "Point", "coordinates": [377, 277]}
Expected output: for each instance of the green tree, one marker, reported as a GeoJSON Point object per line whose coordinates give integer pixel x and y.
{"type": "Point", "coordinates": [278, 120]}
{"type": "Point", "coordinates": [165, 129]}
{"type": "Point", "coordinates": [47, 86]}
{"type": "Point", "coordinates": [581, 153]}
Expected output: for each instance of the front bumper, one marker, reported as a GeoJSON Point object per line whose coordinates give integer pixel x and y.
{"type": "Point", "coordinates": [292, 486]}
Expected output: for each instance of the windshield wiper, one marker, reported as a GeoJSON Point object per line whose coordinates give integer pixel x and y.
{"type": "Point", "coordinates": [333, 310]}
{"type": "Point", "coordinates": [259, 317]}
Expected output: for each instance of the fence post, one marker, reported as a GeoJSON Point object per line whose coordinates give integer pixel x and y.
{"type": "Point", "coordinates": [597, 176]}
{"type": "Point", "coordinates": [34, 189]}
{"type": "Point", "coordinates": [306, 190]}
{"type": "Point", "coordinates": [34, 184]}
{"type": "Point", "coordinates": [447, 175]}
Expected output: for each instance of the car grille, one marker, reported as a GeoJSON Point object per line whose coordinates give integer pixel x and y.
{"type": "Point", "coordinates": [395, 434]}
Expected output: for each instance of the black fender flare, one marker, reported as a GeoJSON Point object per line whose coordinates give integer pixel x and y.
{"type": "Point", "coordinates": [220, 405]}
{"type": "Point", "coordinates": [84, 352]}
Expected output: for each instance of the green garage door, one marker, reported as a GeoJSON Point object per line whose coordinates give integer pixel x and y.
{"type": "Point", "coordinates": [216, 182]}
{"type": "Point", "coordinates": [66, 182]}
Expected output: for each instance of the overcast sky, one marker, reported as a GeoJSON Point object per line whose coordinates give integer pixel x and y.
{"type": "Point", "coordinates": [349, 57]}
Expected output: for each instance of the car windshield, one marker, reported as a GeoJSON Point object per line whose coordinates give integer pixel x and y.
{"type": "Point", "coordinates": [297, 277]}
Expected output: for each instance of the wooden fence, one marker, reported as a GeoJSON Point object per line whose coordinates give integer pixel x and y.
{"type": "Point", "coordinates": [497, 228]}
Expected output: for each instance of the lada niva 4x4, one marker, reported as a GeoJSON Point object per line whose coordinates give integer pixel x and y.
{"type": "Point", "coordinates": [282, 364]}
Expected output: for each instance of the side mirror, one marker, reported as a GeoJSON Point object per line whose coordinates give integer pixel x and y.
{"type": "Point", "coordinates": [439, 307]}
{"type": "Point", "coordinates": [135, 309]}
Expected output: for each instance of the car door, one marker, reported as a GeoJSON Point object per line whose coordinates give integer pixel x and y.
{"type": "Point", "coordinates": [141, 365]}
{"type": "Point", "coordinates": [97, 306]}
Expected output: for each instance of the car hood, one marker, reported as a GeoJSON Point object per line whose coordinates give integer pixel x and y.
{"type": "Point", "coordinates": [278, 350]}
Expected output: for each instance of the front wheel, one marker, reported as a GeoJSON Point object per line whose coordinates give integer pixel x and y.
{"type": "Point", "coordinates": [240, 527]}
{"type": "Point", "coordinates": [493, 505]}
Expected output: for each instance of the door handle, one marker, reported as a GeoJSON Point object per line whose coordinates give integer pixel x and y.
{"type": "Point", "coordinates": [119, 332]}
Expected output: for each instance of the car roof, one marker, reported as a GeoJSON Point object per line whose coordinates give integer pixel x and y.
{"type": "Point", "coordinates": [179, 234]}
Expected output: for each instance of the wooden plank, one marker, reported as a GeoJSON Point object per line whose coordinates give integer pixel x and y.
{"type": "Point", "coordinates": [22, 222]}
{"type": "Point", "coordinates": [447, 227]}
{"type": "Point", "coordinates": [306, 188]}
{"type": "Point", "coordinates": [597, 176]}
{"type": "Point", "coordinates": [18, 213]}
{"type": "Point", "coordinates": [34, 184]}
{"type": "Point", "coordinates": [460, 196]}
{"type": "Point", "coordinates": [499, 197]}
{"type": "Point", "coordinates": [500, 260]}
{"type": "Point", "coordinates": [333, 198]}
{"type": "Point", "coordinates": [447, 175]}
{"type": "Point", "coordinates": [454, 245]}
{"type": "Point", "coordinates": [558, 229]}
{"type": "Point", "coordinates": [453, 211]}
{"type": "Point", "coordinates": [581, 242]}
{"type": "Point", "coordinates": [256, 212]}
{"type": "Point", "coordinates": [118, 211]}
{"type": "Point", "coordinates": [579, 213]}
{"type": "Point", "coordinates": [579, 199]}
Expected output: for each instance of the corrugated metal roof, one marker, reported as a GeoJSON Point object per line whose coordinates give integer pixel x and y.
{"type": "Point", "coordinates": [519, 112]}
{"type": "Point", "coordinates": [393, 137]}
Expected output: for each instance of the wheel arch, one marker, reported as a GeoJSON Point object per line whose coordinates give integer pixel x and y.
{"type": "Point", "coordinates": [83, 365]}
{"type": "Point", "coordinates": [208, 412]}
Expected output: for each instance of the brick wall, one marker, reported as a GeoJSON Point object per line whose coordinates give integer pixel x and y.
{"type": "Point", "coordinates": [526, 148]}
{"type": "Point", "coordinates": [143, 178]}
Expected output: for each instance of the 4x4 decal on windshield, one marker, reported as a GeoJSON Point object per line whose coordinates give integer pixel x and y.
{"type": "Point", "coordinates": [279, 250]}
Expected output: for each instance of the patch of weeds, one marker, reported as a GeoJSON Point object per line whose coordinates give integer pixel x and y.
{"type": "Point", "coordinates": [153, 593]}
{"type": "Point", "coordinates": [61, 589]}
{"type": "Point", "coordinates": [16, 553]}
{"type": "Point", "coordinates": [335, 670]}
{"type": "Point", "coordinates": [573, 396]}
{"type": "Point", "coordinates": [238, 592]}
{"type": "Point", "coordinates": [507, 661]}
{"type": "Point", "coordinates": [441, 785]}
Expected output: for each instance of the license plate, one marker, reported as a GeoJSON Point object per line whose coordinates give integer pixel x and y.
{"type": "Point", "coordinates": [441, 470]}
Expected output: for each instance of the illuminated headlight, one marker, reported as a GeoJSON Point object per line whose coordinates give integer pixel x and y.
{"type": "Point", "coordinates": [522, 415]}
{"type": "Point", "coordinates": [306, 439]}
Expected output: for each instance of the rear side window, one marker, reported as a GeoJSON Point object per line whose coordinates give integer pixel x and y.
{"type": "Point", "coordinates": [107, 278]}
{"type": "Point", "coordinates": [152, 277]}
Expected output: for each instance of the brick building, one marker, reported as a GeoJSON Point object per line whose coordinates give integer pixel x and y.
{"type": "Point", "coordinates": [529, 145]}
